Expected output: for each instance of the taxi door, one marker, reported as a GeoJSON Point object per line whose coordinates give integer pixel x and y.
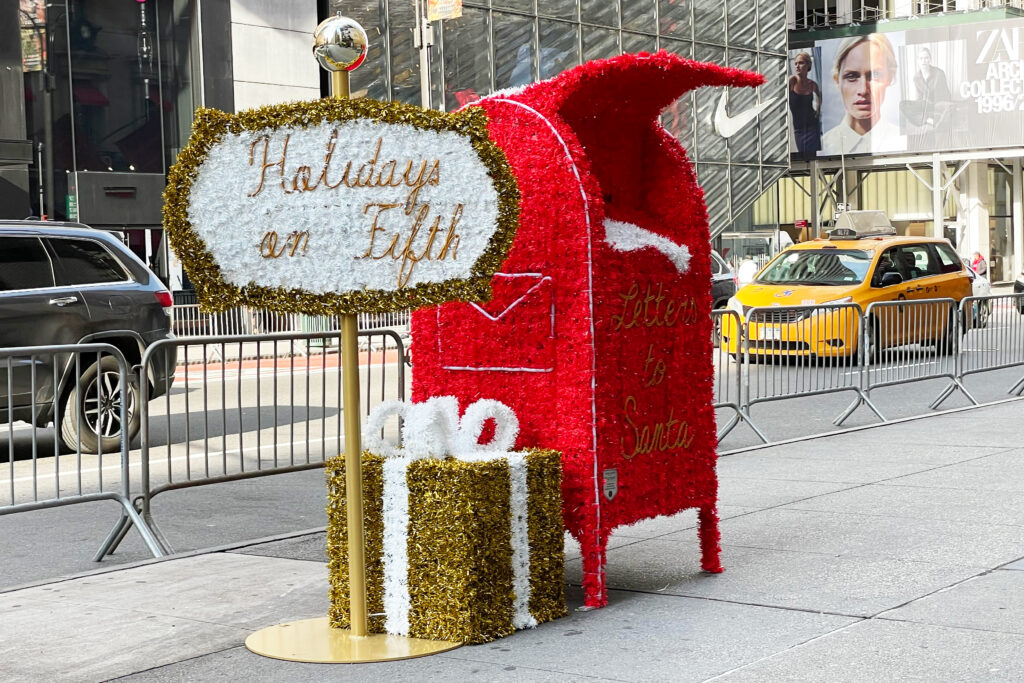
{"type": "Point", "coordinates": [887, 321]}
{"type": "Point", "coordinates": [922, 279]}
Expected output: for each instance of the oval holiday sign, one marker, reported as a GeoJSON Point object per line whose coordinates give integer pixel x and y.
{"type": "Point", "coordinates": [340, 206]}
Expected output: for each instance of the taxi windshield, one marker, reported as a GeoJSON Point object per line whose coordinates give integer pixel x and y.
{"type": "Point", "coordinates": [835, 267]}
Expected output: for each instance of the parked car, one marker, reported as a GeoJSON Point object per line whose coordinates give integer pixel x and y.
{"type": "Point", "coordinates": [723, 287]}
{"type": "Point", "coordinates": [980, 286]}
{"type": "Point", "coordinates": [723, 281]}
{"type": "Point", "coordinates": [1018, 288]}
{"type": "Point", "coordinates": [64, 283]}
{"type": "Point", "coordinates": [856, 267]}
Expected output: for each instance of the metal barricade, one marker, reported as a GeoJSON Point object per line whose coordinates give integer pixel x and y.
{"type": "Point", "coordinates": [728, 374]}
{"type": "Point", "coordinates": [238, 419]}
{"type": "Point", "coordinates": [914, 340]}
{"type": "Point", "coordinates": [793, 351]}
{"type": "Point", "coordinates": [88, 393]}
{"type": "Point", "coordinates": [992, 338]}
{"type": "Point", "coordinates": [189, 321]}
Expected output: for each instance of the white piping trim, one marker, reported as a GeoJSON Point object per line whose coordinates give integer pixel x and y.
{"type": "Point", "coordinates": [590, 294]}
{"type": "Point", "coordinates": [513, 304]}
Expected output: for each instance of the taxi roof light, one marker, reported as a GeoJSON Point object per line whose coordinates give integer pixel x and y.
{"type": "Point", "coordinates": [855, 225]}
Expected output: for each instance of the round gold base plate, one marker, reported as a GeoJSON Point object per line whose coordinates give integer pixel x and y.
{"type": "Point", "coordinates": [313, 640]}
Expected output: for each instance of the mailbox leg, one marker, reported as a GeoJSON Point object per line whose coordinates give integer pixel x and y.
{"type": "Point", "coordinates": [710, 560]}
{"type": "Point", "coordinates": [592, 546]}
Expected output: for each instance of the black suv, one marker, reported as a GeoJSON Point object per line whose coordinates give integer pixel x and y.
{"type": "Point", "coordinates": [64, 283]}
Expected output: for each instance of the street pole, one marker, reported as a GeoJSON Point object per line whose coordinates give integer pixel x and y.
{"type": "Point", "coordinates": [423, 38]}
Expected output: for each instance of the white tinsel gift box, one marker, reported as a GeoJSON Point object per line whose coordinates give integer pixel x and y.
{"type": "Point", "coordinates": [466, 548]}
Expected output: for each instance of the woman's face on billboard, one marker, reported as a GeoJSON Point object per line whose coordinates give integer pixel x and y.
{"type": "Point", "coordinates": [863, 78]}
{"type": "Point", "coordinates": [802, 64]}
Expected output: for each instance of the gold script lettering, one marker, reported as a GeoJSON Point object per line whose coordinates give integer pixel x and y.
{"type": "Point", "coordinates": [295, 240]}
{"type": "Point", "coordinates": [642, 439]}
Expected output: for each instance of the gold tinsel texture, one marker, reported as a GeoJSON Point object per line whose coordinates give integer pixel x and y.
{"type": "Point", "coordinates": [209, 126]}
{"type": "Point", "coordinates": [459, 545]}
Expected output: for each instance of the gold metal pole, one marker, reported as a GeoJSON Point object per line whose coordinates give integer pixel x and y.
{"type": "Point", "coordinates": [353, 443]}
{"type": "Point", "coordinates": [339, 85]}
{"type": "Point", "coordinates": [353, 474]}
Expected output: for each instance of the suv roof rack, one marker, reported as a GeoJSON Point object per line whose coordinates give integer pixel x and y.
{"type": "Point", "coordinates": [855, 225]}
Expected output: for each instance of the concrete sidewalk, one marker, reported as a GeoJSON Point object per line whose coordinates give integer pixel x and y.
{"type": "Point", "coordinates": [889, 553]}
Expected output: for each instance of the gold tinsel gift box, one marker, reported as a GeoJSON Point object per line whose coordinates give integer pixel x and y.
{"type": "Point", "coordinates": [453, 573]}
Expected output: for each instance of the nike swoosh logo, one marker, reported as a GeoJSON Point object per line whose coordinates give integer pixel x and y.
{"type": "Point", "coordinates": [622, 236]}
{"type": "Point", "coordinates": [727, 126]}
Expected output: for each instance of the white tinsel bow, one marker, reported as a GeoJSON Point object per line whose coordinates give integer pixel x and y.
{"type": "Point", "coordinates": [432, 429]}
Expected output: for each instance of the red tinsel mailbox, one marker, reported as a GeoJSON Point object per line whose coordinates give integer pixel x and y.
{"type": "Point", "coordinates": [599, 333]}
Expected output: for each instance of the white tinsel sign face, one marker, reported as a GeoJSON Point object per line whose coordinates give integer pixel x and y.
{"type": "Point", "coordinates": [340, 206]}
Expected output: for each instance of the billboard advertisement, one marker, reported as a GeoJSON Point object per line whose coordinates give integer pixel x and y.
{"type": "Point", "coordinates": [926, 90]}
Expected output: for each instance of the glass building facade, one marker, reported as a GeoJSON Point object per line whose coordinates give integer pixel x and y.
{"type": "Point", "coordinates": [108, 88]}
{"type": "Point", "coordinates": [500, 44]}
{"type": "Point", "coordinates": [98, 96]}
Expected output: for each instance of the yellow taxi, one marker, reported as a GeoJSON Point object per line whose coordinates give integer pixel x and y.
{"type": "Point", "coordinates": [859, 264]}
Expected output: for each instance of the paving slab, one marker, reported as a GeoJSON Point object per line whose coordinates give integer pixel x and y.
{"type": "Point", "coordinates": [55, 641]}
{"type": "Point", "coordinates": [871, 447]}
{"type": "Point", "coordinates": [993, 602]}
{"type": "Point", "coordinates": [892, 499]}
{"type": "Point", "coordinates": [112, 624]}
{"type": "Point", "coordinates": [999, 472]}
{"type": "Point", "coordinates": [997, 429]}
{"type": "Point", "coordinates": [794, 580]}
{"type": "Point", "coordinates": [829, 466]}
{"type": "Point", "coordinates": [224, 588]}
{"type": "Point", "coordinates": [640, 637]}
{"type": "Point", "coordinates": [879, 650]}
{"type": "Point", "coordinates": [226, 665]}
{"type": "Point", "coordinates": [921, 540]}
{"type": "Point", "coordinates": [757, 493]}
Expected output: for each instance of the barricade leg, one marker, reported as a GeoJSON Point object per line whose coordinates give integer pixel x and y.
{"type": "Point", "coordinates": [744, 415]}
{"type": "Point", "coordinates": [124, 525]}
{"type": "Point", "coordinates": [130, 517]}
{"type": "Point", "coordinates": [114, 538]}
{"type": "Point", "coordinates": [953, 386]}
{"type": "Point", "coordinates": [1017, 388]}
{"type": "Point", "coordinates": [862, 400]}
{"type": "Point", "coordinates": [730, 425]}
{"type": "Point", "coordinates": [707, 530]}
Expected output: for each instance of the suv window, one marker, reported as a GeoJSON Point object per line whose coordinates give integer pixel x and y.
{"type": "Point", "coordinates": [950, 262]}
{"type": "Point", "coordinates": [87, 263]}
{"type": "Point", "coordinates": [24, 264]}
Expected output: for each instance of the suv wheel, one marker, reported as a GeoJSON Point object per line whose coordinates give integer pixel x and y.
{"type": "Point", "coordinates": [97, 397]}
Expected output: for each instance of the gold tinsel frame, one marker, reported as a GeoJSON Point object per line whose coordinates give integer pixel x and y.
{"type": "Point", "coordinates": [211, 125]}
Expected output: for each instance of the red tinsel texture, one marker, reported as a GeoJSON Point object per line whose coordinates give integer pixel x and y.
{"type": "Point", "coordinates": [605, 355]}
